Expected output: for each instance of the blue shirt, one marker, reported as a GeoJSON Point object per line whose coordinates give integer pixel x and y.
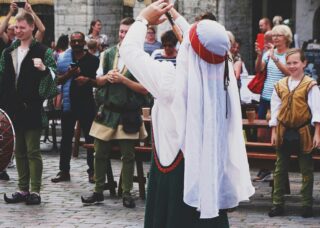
{"type": "Point", "coordinates": [149, 48]}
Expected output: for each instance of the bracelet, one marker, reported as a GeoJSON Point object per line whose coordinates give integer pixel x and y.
{"type": "Point", "coordinates": [276, 59]}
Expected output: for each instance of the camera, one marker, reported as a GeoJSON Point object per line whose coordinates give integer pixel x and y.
{"type": "Point", "coordinates": [21, 4]}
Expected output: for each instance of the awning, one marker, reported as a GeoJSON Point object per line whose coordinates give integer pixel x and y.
{"type": "Point", "coordinates": [32, 2]}
{"type": "Point", "coordinates": [131, 3]}
{"type": "Point", "coordinates": [11, 21]}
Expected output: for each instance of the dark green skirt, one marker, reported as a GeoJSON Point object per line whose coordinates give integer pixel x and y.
{"type": "Point", "coordinates": [165, 207]}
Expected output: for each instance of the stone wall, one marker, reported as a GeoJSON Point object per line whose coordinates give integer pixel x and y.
{"type": "Point", "coordinates": [76, 15]}
{"type": "Point", "coordinates": [305, 11]}
{"type": "Point", "coordinates": [237, 17]}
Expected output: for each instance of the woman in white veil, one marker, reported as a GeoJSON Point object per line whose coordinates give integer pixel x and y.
{"type": "Point", "coordinates": [200, 165]}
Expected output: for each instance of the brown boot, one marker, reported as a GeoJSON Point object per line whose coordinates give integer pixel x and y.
{"type": "Point", "coordinates": [61, 176]}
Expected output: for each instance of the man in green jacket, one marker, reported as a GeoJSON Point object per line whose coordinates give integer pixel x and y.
{"type": "Point", "coordinates": [119, 99]}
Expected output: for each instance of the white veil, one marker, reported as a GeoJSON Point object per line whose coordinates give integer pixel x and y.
{"type": "Point", "coordinates": [216, 167]}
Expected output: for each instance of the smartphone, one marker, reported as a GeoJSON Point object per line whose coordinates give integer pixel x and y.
{"type": "Point", "coordinates": [73, 65]}
{"type": "Point", "coordinates": [21, 4]}
{"type": "Point", "coordinates": [260, 40]}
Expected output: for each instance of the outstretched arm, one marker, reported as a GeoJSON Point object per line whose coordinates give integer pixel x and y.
{"type": "Point", "coordinates": [5, 22]}
{"type": "Point", "coordinates": [157, 77]}
{"type": "Point", "coordinates": [40, 26]}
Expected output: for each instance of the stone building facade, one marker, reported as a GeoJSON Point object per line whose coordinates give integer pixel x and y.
{"type": "Point", "coordinates": [77, 15]}
{"type": "Point", "coordinates": [240, 17]}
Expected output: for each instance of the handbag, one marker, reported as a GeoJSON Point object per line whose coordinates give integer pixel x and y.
{"type": "Point", "coordinates": [256, 84]}
{"type": "Point", "coordinates": [131, 118]}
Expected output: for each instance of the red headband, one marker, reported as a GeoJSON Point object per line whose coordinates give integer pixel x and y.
{"type": "Point", "coordinates": [201, 50]}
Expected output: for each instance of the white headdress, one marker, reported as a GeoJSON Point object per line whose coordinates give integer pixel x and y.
{"type": "Point", "coordinates": [216, 166]}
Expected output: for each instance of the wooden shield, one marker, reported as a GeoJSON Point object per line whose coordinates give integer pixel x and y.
{"type": "Point", "coordinates": [7, 140]}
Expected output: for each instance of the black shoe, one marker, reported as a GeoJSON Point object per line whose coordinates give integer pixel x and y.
{"type": "Point", "coordinates": [128, 201]}
{"type": "Point", "coordinates": [4, 176]}
{"type": "Point", "coordinates": [95, 197]}
{"type": "Point", "coordinates": [33, 199]}
{"type": "Point", "coordinates": [17, 197]}
{"type": "Point", "coordinates": [276, 210]}
{"type": "Point", "coordinates": [307, 212]}
{"type": "Point", "coordinates": [91, 178]}
{"type": "Point", "coordinates": [262, 175]}
{"type": "Point", "coordinates": [61, 176]}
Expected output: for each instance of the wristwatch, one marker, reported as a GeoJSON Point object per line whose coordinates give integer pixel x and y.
{"type": "Point", "coordinates": [142, 20]}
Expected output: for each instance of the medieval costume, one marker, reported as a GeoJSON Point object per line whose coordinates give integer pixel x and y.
{"type": "Point", "coordinates": [23, 89]}
{"type": "Point", "coordinates": [200, 165]}
{"type": "Point", "coordinates": [294, 105]}
{"type": "Point", "coordinates": [116, 104]}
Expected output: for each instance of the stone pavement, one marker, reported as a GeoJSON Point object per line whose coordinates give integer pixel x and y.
{"type": "Point", "coordinates": [61, 205]}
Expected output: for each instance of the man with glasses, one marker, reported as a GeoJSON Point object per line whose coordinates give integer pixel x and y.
{"type": "Point", "coordinates": [76, 73]}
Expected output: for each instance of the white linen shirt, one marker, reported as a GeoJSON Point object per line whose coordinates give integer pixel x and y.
{"type": "Point", "coordinates": [313, 103]}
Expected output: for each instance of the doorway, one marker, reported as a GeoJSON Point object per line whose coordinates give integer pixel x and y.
{"type": "Point", "coordinates": [316, 23]}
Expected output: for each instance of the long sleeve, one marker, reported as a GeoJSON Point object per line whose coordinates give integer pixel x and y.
{"type": "Point", "coordinates": [182, 24]}
{"type": "Point", "coordinates": [275, 106]}
{"type": "Point", "coordinates": [48, 87]}
{"type": "Point", "coordinates": [314, 104]}
{"type": "Point", "coordinates": [157, 77]}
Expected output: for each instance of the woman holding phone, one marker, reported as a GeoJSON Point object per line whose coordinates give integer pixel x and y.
{"type": "Point", "coordinates": [274, 61]}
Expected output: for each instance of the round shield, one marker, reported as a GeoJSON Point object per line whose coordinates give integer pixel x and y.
{"type": "Point", "coordinates": [7, 140]}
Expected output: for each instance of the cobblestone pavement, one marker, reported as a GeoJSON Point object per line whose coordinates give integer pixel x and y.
{"type": "Point", "coordinates": [61, 205]}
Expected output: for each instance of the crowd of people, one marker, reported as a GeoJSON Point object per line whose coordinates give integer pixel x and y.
{"type": "Point", "coordinates": [196, 114]}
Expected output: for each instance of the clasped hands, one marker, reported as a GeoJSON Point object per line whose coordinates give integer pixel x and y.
{"type": "Point", "coordinates": [113, 77]}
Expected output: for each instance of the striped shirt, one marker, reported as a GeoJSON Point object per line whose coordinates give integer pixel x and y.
{"type": "Point", "coordinates": [158, 55]}
{"type": "Point", "coordinates": [273, 74]}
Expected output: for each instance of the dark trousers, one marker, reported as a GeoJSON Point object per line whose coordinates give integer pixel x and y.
{"type": "Point", "coordinates": [68, 121]}
{"type": "Point", "coordinates": [281, 175]}
{"type": "Point", "coordinates": [264, 105]}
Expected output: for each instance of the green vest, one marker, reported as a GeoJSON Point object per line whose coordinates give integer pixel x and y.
{"type": "Point", "coordinates": [113, 99]}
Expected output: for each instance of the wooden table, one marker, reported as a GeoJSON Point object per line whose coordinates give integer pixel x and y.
{"type": "Point", "coordinates": [54, 116]}
{"type": "Point", "coordinates": [255, 124]}
{"type": "Point", "coordinates": [146, 119]}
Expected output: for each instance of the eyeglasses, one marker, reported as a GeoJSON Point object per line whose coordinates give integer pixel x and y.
{"type": "Point", "coordinates": [277, 35]}
{"type": "Point", "coordinates": [150, 33]}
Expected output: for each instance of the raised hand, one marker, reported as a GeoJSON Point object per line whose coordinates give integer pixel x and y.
{"type": "Point", "coordinates": [154, 13]}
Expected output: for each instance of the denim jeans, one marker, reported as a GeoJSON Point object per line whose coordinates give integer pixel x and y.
{"type": "Point", "coordinates": [263, 108]}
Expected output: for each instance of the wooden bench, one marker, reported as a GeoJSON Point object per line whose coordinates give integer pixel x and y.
{"type": "Point", "coordinates": [142, 154]}
{"type": "Point", "coordinates": [267, 152]}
